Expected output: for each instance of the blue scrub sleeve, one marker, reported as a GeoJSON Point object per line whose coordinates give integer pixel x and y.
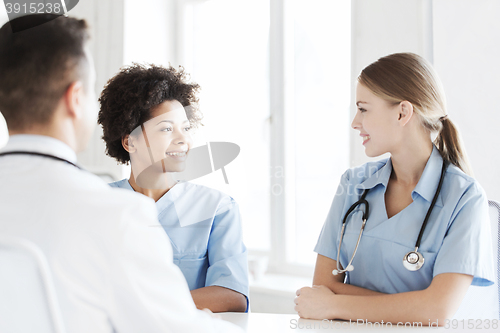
{"type": "Point", "coordinates": [467, 246]}
{"type": "Point", "coordinates": [227, 255]}
{"type": "Point", "coordinates": [328, 239]}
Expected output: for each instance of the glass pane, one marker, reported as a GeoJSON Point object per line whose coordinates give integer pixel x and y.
{"type": "Point", "coordinates": [226, 52]}
{"type": "Point", "coordinates": [322, 97]}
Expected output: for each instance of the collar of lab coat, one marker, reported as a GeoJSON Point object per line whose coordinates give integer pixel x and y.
{"type": "Point", "coordinates": [40, 144]}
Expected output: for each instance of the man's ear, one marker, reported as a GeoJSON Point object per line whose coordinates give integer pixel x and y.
{"type": "Point", "coordinates": [405, 110]}
{"type": "Point", "coordinates": [128, 143]}
{"type": "Point", "coordinates": [74, 99]}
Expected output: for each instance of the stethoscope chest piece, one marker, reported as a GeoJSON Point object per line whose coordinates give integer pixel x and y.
{"type": "Point", "coordinates": [413, 261]}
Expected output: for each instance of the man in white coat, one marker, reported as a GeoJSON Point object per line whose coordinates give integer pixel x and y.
{"type": "Point", "coordinates": [111, 262]}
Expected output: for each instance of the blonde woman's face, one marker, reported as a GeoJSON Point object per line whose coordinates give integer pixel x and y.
{"type": "Point", "coordinates": [377, 122]}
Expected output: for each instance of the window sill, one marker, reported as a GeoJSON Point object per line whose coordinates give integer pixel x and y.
{"type": "Point", "coordinates": [274, 293]}
{"type": "Point", "coordinates": [279, 284]}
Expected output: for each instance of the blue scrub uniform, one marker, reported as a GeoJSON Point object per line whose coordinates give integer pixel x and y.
{"type": "Point", "coordinates": [204, 228]}
{"type": "Point", "coordinates": [456, 239]}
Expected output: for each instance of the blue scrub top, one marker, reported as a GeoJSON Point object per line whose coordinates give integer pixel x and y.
{"type": "Point", "coordinates": [204, 227]}
{"type": "Point", "coordinates": [456, 239]}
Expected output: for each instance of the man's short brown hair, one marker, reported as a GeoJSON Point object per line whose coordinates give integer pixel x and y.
{"type": "Point", "coordinates": [37, 65]}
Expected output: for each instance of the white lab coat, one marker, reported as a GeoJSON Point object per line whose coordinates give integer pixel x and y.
{"type": "Point", "coordinates": [111, 261]}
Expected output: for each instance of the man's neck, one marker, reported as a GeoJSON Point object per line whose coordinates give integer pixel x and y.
{"type": "Point", "coordinates": [47, 130]}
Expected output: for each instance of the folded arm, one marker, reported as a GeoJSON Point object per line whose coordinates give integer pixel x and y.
{"type": "Point", "coordinates": [323, 277]}
{"type": "Point", "coordinates": [219, 299]}
{"type": "Point", "coordinates": [438, 302]}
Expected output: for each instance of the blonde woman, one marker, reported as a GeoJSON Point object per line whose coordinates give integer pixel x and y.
{"type": "Point", "coordinates": [426, 227]}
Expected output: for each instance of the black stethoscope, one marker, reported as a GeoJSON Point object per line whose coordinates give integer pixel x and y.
{"type": "Point", "coordinates": [413, 260]}
{"type": "Point", "coordinates": [39, 154]}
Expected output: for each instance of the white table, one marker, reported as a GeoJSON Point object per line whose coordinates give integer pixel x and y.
{"type": "Point", "coordinates": [277, 323]}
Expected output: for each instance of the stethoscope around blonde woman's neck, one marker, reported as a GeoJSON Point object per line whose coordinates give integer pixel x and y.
{"type": "Point", "coordinates": [413, 260]}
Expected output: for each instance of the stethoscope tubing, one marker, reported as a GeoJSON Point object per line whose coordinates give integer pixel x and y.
{"type": "Point", "coordinates": [362, 200]}
{"type": "Point", "coordinates": [39, 154]}
{"type": "Point", "coordinates": [433, 203]}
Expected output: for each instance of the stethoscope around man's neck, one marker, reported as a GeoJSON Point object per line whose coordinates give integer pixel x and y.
{"type": "Point", "coordinates": [413, 260]}
{"type": "Point", "coordinates": [39, 154]}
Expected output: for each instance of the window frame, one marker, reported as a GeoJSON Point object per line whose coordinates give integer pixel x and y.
{"type": "Point", "coordinates": [281, 124]}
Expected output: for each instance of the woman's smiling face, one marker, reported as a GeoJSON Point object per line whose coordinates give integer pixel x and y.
{"type": "Point", "coordinates": [377, 122]}
{"type": "Point", "coordinates": [163, 137]}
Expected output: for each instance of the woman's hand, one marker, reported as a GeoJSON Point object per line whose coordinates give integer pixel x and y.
{"type": "Point", "coordinates": [317, 302]}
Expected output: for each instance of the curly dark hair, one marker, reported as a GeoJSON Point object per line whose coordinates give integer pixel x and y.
{"type": "Point", "coordinates": [129, 97]}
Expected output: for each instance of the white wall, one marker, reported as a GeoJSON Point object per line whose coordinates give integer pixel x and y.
{"type": "Point", "coordinates": [379, 28]}
{"type": "Point", "coordinates": [152, 40]}
{"type": "Point", "coordinates": [467, 53]}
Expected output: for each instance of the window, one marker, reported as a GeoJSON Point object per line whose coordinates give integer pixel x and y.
{"type": "Point", "coordinates": [321, 99]}
{"type": "Point", "coordinates": [225, 47]}
{"type": "Point", "coordinates": [275, 80]}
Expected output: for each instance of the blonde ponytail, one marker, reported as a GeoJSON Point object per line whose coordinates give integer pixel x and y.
{"type": "Point", "coordinates": [409, 77]}
{"type": "Point", "coordinates": [449, 144]}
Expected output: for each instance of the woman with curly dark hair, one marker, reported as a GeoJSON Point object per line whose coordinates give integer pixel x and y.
{"type": "Point", "coordinates": [146, 114]}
